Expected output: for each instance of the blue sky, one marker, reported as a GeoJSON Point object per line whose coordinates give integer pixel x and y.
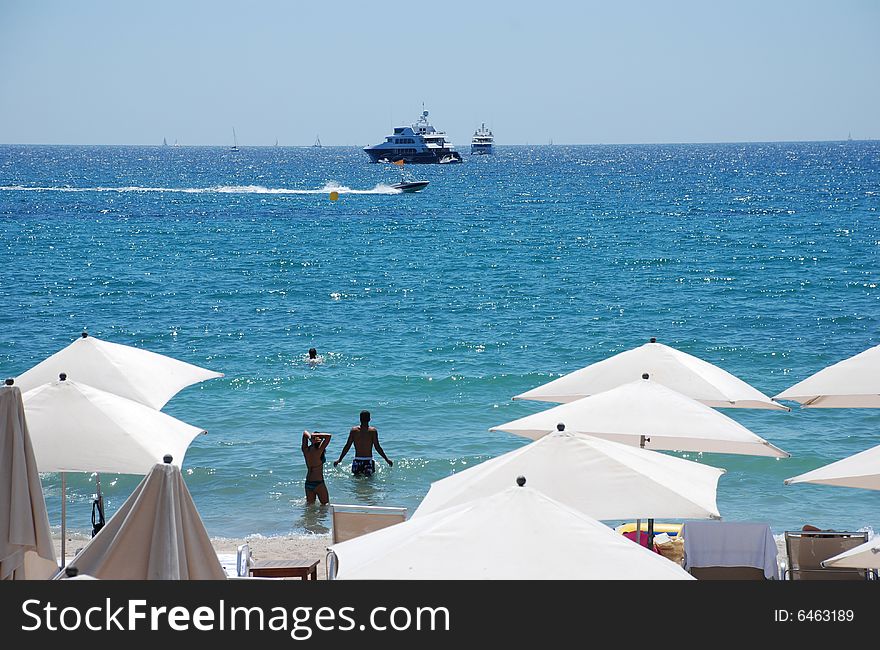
{"type": "Point", "coordinates": [94, 72]}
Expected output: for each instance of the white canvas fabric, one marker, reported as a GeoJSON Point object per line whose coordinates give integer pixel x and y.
{"type": "Point", "coordinates": [669, 419]}
{"type": "Point", "coordinates": [78, 428]}
{"type": "Point", "coordinates": [26, 548]}
{"type": "Point", "coordinates": [139, 375]}
{"type": "Point", "coordinates": [515, 534]}
{"type": "Point", "coordinates": [682, 372]}
{"type": "Point", "coordinates": [864, 556]}
{"type": "Point", "coordinates": [602, 479]}
{"type": "Point", "coordinates": [851, 383]}
{"type": "Point", "coordinates": [157, 534]}
{"type": "Point", "coordinates": [860, 470]}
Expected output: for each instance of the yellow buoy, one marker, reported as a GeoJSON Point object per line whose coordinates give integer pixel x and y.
{"type": "Point", "coordinates": [334, 195]}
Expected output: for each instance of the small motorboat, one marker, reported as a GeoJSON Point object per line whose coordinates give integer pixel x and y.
{"type": "Point", "coordinates": [410, 186]}
{"type": "Point", "coordinates": [449, 159]}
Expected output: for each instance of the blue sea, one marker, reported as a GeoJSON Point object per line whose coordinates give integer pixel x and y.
{"type": "Point", "coordinates": [432, 310]}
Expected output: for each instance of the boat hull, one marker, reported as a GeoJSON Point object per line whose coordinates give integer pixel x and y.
{"type": "Point", "coordinates": [412, 186]}
{"type": "Point", "coordinates": [418, 158]}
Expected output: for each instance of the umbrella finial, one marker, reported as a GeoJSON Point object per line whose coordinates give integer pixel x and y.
{"type": "Point", "coordinates": [520, 480]}
{"type": "Point", "coordinates": [62, 376]}
{"type": "Point", "coordinates": [85, 334]}
{"type": "Point", "coordinates": [653, 339]}
{"type": "Point", "coordinates": [560, 426]}
{"type": "Point", "coordinates": [10, 381]}
{"type": "Point", "coordinates": [645, 375]}
{"type": "Point", "coordinates": [167, 458]}
{"type": "Point", "coordinates": [71, 572]}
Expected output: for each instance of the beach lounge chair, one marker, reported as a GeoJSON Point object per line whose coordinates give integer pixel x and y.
{"type": "Point", "coordinates": [807, 549]}
{"type": "Point", "coordinates": [243, 561]}
{"type": "Point", "coordinates": [348, 522]}
{"type": "Point", "coordinates": [724, 550]}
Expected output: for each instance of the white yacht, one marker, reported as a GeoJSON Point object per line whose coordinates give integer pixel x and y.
{"type": "Point", "coordinates": [419, 143]}
{"type": "Point", "coordinates": [482, 141]}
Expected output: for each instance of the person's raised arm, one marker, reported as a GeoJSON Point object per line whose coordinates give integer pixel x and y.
{"type": "Point", "coordinates": [325, 441]}
{"type": "Point", "coordinates": [345, 449]}
{"type": "Point", "coordinates": [379, 448]}
{"type": "Point", "coordinates": [305, 442]}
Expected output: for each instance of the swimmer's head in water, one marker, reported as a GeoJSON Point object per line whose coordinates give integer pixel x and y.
{"type": "Point", "coordinates": [313, 353]}
{"type": "Point", "coordinates": [365, 418]}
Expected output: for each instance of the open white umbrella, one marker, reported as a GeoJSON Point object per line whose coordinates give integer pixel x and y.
{"type": "Point", "coordinates": [26, 548]}
{"type": "Point", "coordinates": [157, 534]}
{"type": "Point", "coordinates": [136, 374]}
{"type": "Point", "coordinates": [678, 370]}
{"type": "Point", "coordinates": [516, 534]}
{"type": "Point", "coordinates": [851, 383]}
{"type": "Point", "coordinates": [139, 375]}
{"type": "Point", "coordinates": [78, 428]}
{"type": "Point", "coordinates": [600, 478]}
{"type": "Point", "coordinates": [647, 413]}
{"type": "Point", "coordinates": [861, 470]}
{"type": "Point", "coordinates": [864, 556]}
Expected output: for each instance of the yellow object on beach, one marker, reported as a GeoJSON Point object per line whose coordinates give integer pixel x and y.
{"type": "Point", "coordinates": [398, 162]}
{"type": "Point", "coordinates": [334, 195]}
{"type": "Point", "coordinates": [669, 529]}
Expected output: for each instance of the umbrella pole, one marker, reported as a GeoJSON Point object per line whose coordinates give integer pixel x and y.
{"type": "Point", "coordinates": [642, 440]}
{"type": "Point", "coordinates": [63, 519]}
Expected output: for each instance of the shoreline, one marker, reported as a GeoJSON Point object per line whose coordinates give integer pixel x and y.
{"type": "Point", "coordinates": [282, 547]}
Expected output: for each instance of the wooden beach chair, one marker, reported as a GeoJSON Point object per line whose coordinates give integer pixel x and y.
{"type": "Point", "coordinates": [807, 549]}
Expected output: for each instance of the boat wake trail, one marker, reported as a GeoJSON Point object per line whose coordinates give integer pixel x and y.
{"type": "Point", "coordinates": [219, 189]}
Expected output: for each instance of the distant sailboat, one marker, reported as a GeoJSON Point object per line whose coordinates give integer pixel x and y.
{"type": "Point", "coordinates": [317, 142]}
{"type": "Point", "coordinates": [234, 146]}
{"type": "Point", "coordinates": [175, 143]}
{"type": "Point", "coordinates": [164, 142]}
{"type": "Point", "coordinates": [276, 142]}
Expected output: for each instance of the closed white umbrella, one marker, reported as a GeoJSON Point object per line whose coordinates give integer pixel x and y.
{"type": "Point", "coordinates": [864, 556]}
{"type": "Point", "coordinates": [516, 534]}
{"type": "Point", "coordinates": [136, 374]}
{"type": "Point", "coordinates": [157, 534]}
{"type": "Point", "coordinates": [75, 427]}
{"type": "Point", "coordinates": [851, 383]}
{"type": "Point", "coordinates": [678, 370]}
{"type": "Point", "coordinates": [600, 478]}
{"type": "Point", "coordinates": [26, 548]}
{"type": "Point", "coordinates": [861, 470]}
{"type": "Point", "coordinates": [647, 413]}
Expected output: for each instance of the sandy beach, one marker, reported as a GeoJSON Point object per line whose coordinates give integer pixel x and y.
{"type": "Point", "coordinates": [280, 548]}
{"type": "Point", "coordinates": [311, 547]}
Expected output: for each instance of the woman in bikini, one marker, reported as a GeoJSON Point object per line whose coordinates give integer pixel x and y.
{"type": "Point", "coordinates": [313, 447]}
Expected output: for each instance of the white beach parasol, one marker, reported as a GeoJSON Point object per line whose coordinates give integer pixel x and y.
{"type": "Point", "coordinates": [157, 534]}
{"type": "Point", "coordinates": [864, 556]}
{"type": "Point", "coordinates": [600, 478]}
{"type": "Point", "coordinates": [78, 428]}
{"type": "Point", "coordinates": [515, 534]}
{"type": "Point", "coordinates": [860, 470]}
{"type": "Point", "coordinates": [647, 413]}
{"type": "Point", "coordinates": [851, 383]}
{"type": "Point", "coordinates": [677, 370]}
{"type": "Point", "coordinates": [26, 548]}
{"type": "Point", "coordinates": [136, 374]}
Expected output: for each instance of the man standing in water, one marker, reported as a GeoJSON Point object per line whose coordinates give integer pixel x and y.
{"type": "Point", "coordinates": [313, 447]}
{"type": "Point", "coordinates": [364, 438]}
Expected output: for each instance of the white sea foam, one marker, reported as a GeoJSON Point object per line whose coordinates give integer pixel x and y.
{"type": "Point", "coordinates": [219, 189]}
